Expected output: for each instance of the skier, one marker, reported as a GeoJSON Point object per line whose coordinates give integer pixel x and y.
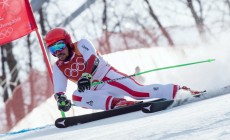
{"type": "Point", "coordinates": [83, 65]}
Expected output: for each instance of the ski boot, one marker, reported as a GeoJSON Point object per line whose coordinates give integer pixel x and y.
{"type": "Point", "coordinates": [193, 92]}
{"type": "Point", "coordinates": [120, 102]}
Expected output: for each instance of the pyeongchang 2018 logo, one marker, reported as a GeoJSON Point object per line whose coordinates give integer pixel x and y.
{"type": "Point", "coordinates": [75, 68]}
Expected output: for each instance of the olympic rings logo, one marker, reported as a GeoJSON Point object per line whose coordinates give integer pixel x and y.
{"type": "Point", "coordinates": [6, 32]}
{"type": "Point", "coordinates": [75, 68]}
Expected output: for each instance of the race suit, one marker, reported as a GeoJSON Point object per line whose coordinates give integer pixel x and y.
{"type": "Point", "coordinates": [101, 96]}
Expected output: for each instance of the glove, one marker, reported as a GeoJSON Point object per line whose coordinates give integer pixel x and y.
{"type": "Point", "coordinates": [84, 83]}
{"type": "Point", "coordinates": [63, 103]}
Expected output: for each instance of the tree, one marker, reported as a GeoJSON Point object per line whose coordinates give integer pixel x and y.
{"type": "Point", "coordinates": [199, 20]}
{"type": "Point", "coordinates": [162, 28]}
{"type": "Point", "coordinates": [106, 45]}
{"type": "Point", "coordinates": [9, 60]}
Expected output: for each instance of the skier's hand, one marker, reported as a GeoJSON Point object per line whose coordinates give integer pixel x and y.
{"type": "Point", "coordinates": [84, 83]}
{"type": "Point", "coordinates": [63, 103]}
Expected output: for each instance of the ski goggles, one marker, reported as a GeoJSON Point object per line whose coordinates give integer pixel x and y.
{"type": "Point", "coordinates": [59, 46]}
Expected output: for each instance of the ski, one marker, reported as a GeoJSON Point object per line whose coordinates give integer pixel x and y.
{"type": "Point", "coordinates": [145, 106]}
{"type": "Point", "coordinates": [151, 107]}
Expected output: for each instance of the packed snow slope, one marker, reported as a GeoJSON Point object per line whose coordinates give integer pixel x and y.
{"type": "Point", "coordinates": [206, 119]}
{"type": "Point", "coordinates": [196, 119]}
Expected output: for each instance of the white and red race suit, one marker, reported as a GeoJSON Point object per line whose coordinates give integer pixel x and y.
{"type": "Point", "coordinates": [101, 96]}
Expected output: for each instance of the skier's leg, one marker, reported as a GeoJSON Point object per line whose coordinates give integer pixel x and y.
{"type": "Point", "coordinates": [129, 87]}
{"type": "Point", "coordinates": [167, 91]}
{"type": "Point", "coordinates": [92, 99]}
{"type": "Point", "coordinates": [98, 100]}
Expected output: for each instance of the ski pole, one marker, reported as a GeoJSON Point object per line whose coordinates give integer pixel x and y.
{"type": "Point", "coordinates": [62, 112]}
{"type": "Point", "coordinates": [157, 69]}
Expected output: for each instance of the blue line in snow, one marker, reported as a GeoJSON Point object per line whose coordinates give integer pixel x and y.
{"type": "Point", "coordinates": [25, 130]}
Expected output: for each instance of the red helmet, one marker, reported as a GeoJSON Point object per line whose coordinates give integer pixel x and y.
{"type": "Point", "coordinates": [57, 34]}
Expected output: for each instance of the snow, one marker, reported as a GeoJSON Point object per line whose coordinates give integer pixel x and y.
{"type": "Point", "coordinates": [198, 119]}
{"type": "Point", "coordinates": [207, 119]}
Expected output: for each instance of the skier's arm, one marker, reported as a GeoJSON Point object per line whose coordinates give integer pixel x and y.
{"type": "Point", "coordinates": [89, 54]}
{"type": "Point", "coordinates": [87, 50]}
{"type": "Point", "coordinates": [60, 84]}
{"type": "Point", "coordinates": [59, 81]}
